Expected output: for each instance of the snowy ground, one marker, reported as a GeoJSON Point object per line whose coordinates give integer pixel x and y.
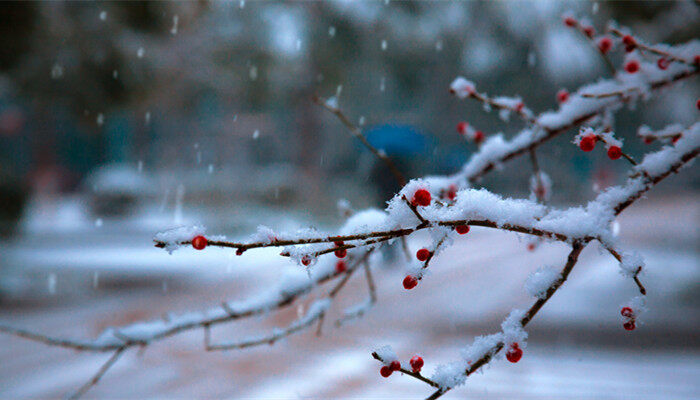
{"type": "Point", "coordinates": [577, 347]}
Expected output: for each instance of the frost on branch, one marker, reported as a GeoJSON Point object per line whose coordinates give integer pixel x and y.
{"type": "Point", "coordinates": [539, 281]}
{"type": "Point", "coordinates": [512, 329]}
{"type": "Point", "coordinates": [174, 238]}
{"type": "Point", "coordinates": [655, 164]}
{"type": "Point", "coordinates": [632, 263]}
{"type": "Point", "coordinates": [462, 88]}
{"type": "Point", "coordinates": [387, 354]}
{"type": "Point", "coordinates": [446, 206]}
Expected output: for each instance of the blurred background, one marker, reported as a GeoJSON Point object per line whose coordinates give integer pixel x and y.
{"type": "Point", "coordinates": [121, 119]}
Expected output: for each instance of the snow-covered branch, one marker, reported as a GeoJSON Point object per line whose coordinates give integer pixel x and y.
{"type": "Point", "coordinates": [446, 207]}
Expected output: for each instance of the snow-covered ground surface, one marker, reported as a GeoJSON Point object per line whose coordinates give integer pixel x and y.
{"type": "Point", "coordinates": [577, 347]}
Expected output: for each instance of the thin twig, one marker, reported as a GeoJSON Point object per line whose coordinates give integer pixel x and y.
{"type": "Point", "coordinates": [635, 277]}
{"type": "Point", "coordinates": [357, 133]}
{"type": "Point", "coordinates": [415, 210]}
{"type": "Point", "coordinates": [100, 373]}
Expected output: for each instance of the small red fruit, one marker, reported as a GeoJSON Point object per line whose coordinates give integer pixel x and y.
{"type": "Point", "coordinates": [395, 365]}
{"type": "Point", "coordinates": [696, 60]}
{"type": "Point", "coordinates": [416, 363]}
{"type": "Point", "coordinates": [421, 198]}
{"type": "Point", "coordinates": [239, 252]}
{"type": "Point", "coordinates": [409, 282]}
{"type": "Point", "coordinates": [339, 243]}
{"type": "Point", "coordinates": [562, 96]}
{"type": "Point", "coordinates": [519, 106]}
{"type": "Point", "coordinates": [452, 192]}
{"type": "Point", "coordinates": [697, 104]}
{"type": "Point", "coordinates": [515, 353]}
{"type": "Point", "coordinates": [340, 267]}
{"type": "Point", "coordinates": [422, 254]}
{"type": "Point", "coordinates": [627, 312]}
{"type": "Point", "coordinates": [614, 152]}
{"type": "Point", "coordinates": [341, 253]}
{"type": "Point", "coordinates": [604, 45]}
{"type": "Point", "coordinates": [385, 371]}
{"type": "Point", "coordinates": [199, 242]}
{"type": "Point", "coordinates": [629, 42]}
{"type": "Point", "coordinates": [589, 31]}
{"type": "Point", "coordinates": [587, 143]}
{"type": "Point", "coordinates": [531, 246]}
{"type": "Point", "coordinates": [569, 21]}
{"type": "Point", "coordinates": [662, 63]}
{"type": "Point", "coordinates": [478, 137]}
{"type": "Point", "coordinates": [648, 139]}
{"type": "Point", "coordinates": [632, 66]}
{"type": "Point", "coordinates": [462, 128]}
{"type": "Point", "coordinates": [629, 325]}
{"type": "Point", "coordinates": [462, 229]}
{"type": "Point", "coordinates": [306, 260]}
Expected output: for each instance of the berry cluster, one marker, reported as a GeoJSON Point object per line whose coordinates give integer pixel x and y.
{"type": "Point", "coordinates": [465, 130]}
{"type": "Point", "coordinates": [587, 143]}
{"type": "Point", "coordinates": [605, 44]}
{"type": "Point", "coordinates": [388, 369]}
{"type": "Point", "coordinates": [630, 318]}
{"type": "Point", "coordinates": [410, 281]}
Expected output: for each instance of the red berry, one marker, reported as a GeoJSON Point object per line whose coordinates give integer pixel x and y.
{"type": "Point", "coordinates": [562, 96]}
{"type": "Point", "coordinates": [614, 152]}
{"type": "Point", "coordinates": [199, 242]}
{"type": "Point", "coordinates": [627, 312]}
{"type": "Point", "coordinates": [409, 282]}
{"type": "Point", "coordinates": [341, 253]}
{"type": "Point", "coordinates": [339, 243]}
{"type": "Point", "coordinates": [632, 66]}
{"type": "Point", "coordinates": [515, 353]}
{"type": "Point", "coordinates": [519, 106]}
{"type": "Point", "coordinates": [604, 45]}
{"type": "Point", "coordinates": [648, 139]}
{"type": "Point", "coordinates": [340, 267]}
{"type": "Point", "coordinates": [531, 246]}
{"type": "Point", "coordinates": [422, 254]}
{"type": "Point", "coordinates": [569, 21]}
{"type": "Point", "coordinates": [385, 371]}
{"type": "Point", "coordinates": [421, 198]}
{"type": "Point", "coordinates": [629, 325]}
{"type": "Point", "coordinates": [696, 60]}
{"type": "Point", "coordinates": [306, 260]}
{"type": "Point", "coordinates": [462, 229]}
{"type": "Point", "coordinates": [478, 136]}
{"type": "Point", "coordinates": [629, 41]}
{"type": "Point", "coordinates": [697, 104]}
{"type": "Point", "coordinates": [395, 365]}
{"type": "Point", "coordinates": [239, 252]}
{"type": "Point", "coordinates": [462, 128]}
{"type": "Point", "coordinates": [452, 192]}
{"type": "Point", "coordinates": [662, 63]}
{"type": "Point", "coordinates": [587, 143]}
{"type": "Point", "coordinates": [589, 31]}
{"type": "Point", "coordinates": [416, 363]}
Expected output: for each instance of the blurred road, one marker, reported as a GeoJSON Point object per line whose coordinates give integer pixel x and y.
{"type": "Point", "coordinates": [577, 347]}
